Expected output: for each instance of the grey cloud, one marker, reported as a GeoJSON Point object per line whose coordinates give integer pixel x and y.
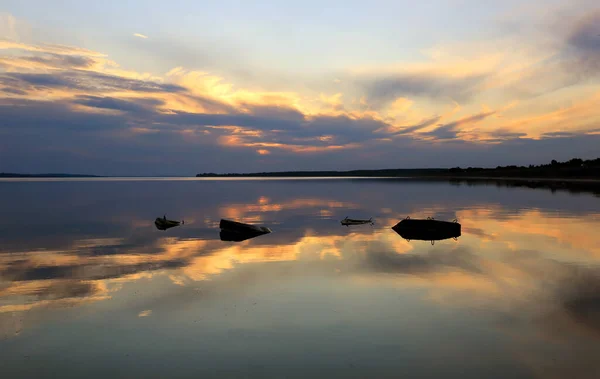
{"type": "Point", "coordinates": [577, 61]}
{"type": "Point", "coordinates": [343, 128]}
{"type": "Point", "coordinates": [417, 127]}
{"type": "Point", "coordinates": [450, 130]}
{"type": "Point", "coordinates": [13, 91]}
{"type": "Point", "coordinates": [501, 135]}
{"type": "Point", "coordinates": [50, 60]}
{"type": "Point", "coordinates": [509, 135]}
{"type": "Point", "coordinates": [41, 80]}
{"type": "Point", "coordinates": [444, 132]}
{"type": "Point", "coordinates": [289, 123]}
{"type": "Point", "coordinates": [51, 117]}
{"type": "Point", "coordinates": [558, 134]}
{"type": "Point", "coordinates": [584, 43]}
{"type": "Point", "coordinates": [14, 86]}
{"type": "Point", "coordinates": [383, 89]}
{"type": "Point", "coordinates": [210, 105]}
{"type": "Point", "coordinates": [129, 105]}
{"type": "Point", "coordinates": [63, 61]}
{"type": "Point", "coordinates": [277, 112]}
{"type": "Point", "coordinates": [243, 120]}
{"type": "Point", "coordinates": [89, 81]}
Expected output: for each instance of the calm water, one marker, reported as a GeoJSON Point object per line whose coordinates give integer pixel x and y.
{"type": "Point", "coordinates": [89, 288]}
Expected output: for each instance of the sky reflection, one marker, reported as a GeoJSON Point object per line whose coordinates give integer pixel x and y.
{"type": "Point", "coordinates": [519, 288]}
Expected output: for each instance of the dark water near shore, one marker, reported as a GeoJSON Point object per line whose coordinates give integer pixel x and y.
{"type": "Point", "coordinates": [90, 288]}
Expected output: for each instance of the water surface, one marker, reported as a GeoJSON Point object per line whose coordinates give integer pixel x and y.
{"type": "Point", "coordinates": [90, 288]}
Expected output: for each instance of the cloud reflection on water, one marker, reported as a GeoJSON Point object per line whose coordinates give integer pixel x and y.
{"type": "Point", "coordinates": [533, 272]}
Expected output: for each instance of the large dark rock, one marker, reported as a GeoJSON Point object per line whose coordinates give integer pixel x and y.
{"type": "Point", "coordinates": [237, 231]}
{"type": "Point", "coordinates": [427, 230]}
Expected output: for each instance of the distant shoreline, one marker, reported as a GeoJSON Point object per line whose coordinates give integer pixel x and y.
{"type": "Point", "coordinates": [573, 185]}
{"type": "Point", "coordinates": [258, 177]}
{"type": "Point", "coordinates": [16, 175]}
{"type": "Point", "coordinates": [574, 169]}
{"type": "Point", "coordinates": [513, 178]}
{"type": "Point", "coordinates": [570, 179]}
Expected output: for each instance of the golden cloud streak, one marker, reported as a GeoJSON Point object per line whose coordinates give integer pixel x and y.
{"type": "Point", "coordinates": [236, 141]}
{"type": "Point", "coordinates": [52, 49]}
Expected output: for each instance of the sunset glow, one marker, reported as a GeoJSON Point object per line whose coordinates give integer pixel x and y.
{"type": "Point", "coordinates": [490, 86]}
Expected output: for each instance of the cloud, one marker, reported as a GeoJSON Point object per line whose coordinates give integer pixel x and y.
{"type": "Point", "coordinates": [559, 134]}
{"type": "Point", "coordinates": [49, 61]}
{"type": "Point", "coordinates": [382, 89]}
{"type": "Point", "coordinates": [129, 105]}
{"type": "Point", "coordinates": [451, 130]}
{"type": "Point", "coordinates": [75, 140]}
{"type": "Point", "coordinates": [285, 126]}
{"type": "Point", "coordinates": [90, 104]}
{"type": "Point", "coordinates": [419, 126]}
{"type": "Point", "coordinates": [13, 91]}
{"type": "Point", "coordinates": [11, 28]}
{"type": "Point", "coordinates": [49, 48]}
{"type": "Point", "coordinates": [583, 41]}
{"type": "Point", "coordinates": [570, 61]}
{"type": "Point", "coordinates": [140, 35]}
{"type": "Point", "coordinates": [88, 81]}
{"type": "Point", "coordinates": [53, 117]}
{"type": "Point", "coordinates": [504, 135]}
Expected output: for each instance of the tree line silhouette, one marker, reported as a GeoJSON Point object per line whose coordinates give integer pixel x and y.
{"type": "Point", "coordinates": [573, 168]}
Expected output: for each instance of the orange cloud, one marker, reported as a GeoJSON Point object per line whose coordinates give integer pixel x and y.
{"type": "Point", "coordinates": [238, 141]}
{"type": "Point", "coordinates": [207, 93]}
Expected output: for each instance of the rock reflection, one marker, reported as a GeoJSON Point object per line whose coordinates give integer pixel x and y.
{"type": "Point", "coordinates": [427, 230]}
{"type": "Point", "coordinates": [162, 223]}
{"type": "Point", "coordinates": [236, 231]}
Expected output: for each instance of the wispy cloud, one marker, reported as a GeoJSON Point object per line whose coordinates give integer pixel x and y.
{"type": "Point", "coordinates": [139, 35]}
{"type": "Point", "coordinates": [451, 130]}
{"type": "Point", "coordinates": [49, 48]}
{"type": "Point", "coordinates": [386, 88]}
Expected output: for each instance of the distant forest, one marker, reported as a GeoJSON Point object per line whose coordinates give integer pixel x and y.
{"type": "Point", "coordinates": [572, 169]}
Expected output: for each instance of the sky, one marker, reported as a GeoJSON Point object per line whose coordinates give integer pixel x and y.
{"type": "Point", "coordinates": [181, 87]}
